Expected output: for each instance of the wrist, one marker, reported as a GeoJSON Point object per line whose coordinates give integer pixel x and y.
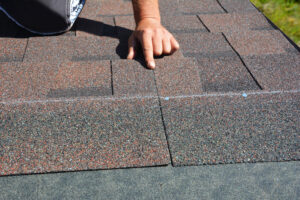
{"type": "Point", "coordinates": [148, 19]}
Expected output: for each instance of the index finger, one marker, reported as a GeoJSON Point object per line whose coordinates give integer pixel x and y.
{"type": "Point", "coordinates": [148, 50]}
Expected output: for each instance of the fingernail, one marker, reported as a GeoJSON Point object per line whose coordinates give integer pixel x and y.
{"type": "Point", "coordinates": [152, 64]}
{"type": "Point", "coordinates": [129, 56]}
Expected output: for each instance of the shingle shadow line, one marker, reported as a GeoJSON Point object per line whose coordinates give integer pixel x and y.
{"type": "Point", "coordinates": [234, 163]}
{"type": "Point", "coordinates": [199, 18]}
{"type": "Point", "coordinates": [10, 59]}
{"type": "Point", "coordinates": [27, 41]}
{"type": "Point", "coordinates": [83, 170]}
{"type": "Point", "coordinates": [201, 13]}
{"type": "Point", "coordinates": [222, 6]}
{"type": "Point", "coordinates": [253, 77]}
{"type": "Point", "coordinates": [267, 28]}
{"type": "Point", "coordinates": [177, 31]}
{"type": "Point", "coordinates": [228, 53]}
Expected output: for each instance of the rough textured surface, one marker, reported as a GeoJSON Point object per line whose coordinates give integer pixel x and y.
{"type": "Point", "coordinates": [71, 48]}
{"type": "Point", "coordinates": [50, 80]}
{"type": "Point", "coordinates": [243, 181]}
{"type": "Point", "coordinates": [183, 24]}
{"type": "Point", "coordinates": [237, 5]}
{"type": "Point", "coordinates": [275, 72]}
{"type": "Point", "coordinates": [203, 44]}
{"type": "Point", "coordinates": [225, 74]}
{"type": "Point", "coordinates": [235, 22]}
{"type": "Point", "coordinates": [45, 137]}
{"type": "Point", "coordinates": [199, 7]}
{"type": "Point", "coordinates": [12, 49]}
{"type": "Point", "coordinates": [132, 79]}
{"type": "Point", "coordinates": [117, 7]}
{"type": "Point", "coordinates": [177, 77]}
{"type": "Point", "coordinates": [255, 42]}
{"type": "Point", "coordinates": [233, 129]}
{"type": "Point", "coordinates": [125, 22]}
{"type": "Point", "coordinates": [46, 49]}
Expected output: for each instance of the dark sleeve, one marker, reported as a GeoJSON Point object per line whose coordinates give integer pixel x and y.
{"type": "Point", "coordinates": [39, 15]}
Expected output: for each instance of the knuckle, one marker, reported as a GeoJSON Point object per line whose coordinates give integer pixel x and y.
{"type": "Point", "coordinates": [146, 49]}
{"type": "Point", "coordinates": [147, 32]}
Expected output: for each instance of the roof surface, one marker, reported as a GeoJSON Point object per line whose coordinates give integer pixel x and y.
{"type": "Point", "coordinates": [70, 102]}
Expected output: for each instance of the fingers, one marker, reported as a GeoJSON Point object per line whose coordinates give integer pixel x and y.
{"type": "Point", "coordinates": [167, 46]}
{"type": "Point", "coordinates": [131, 48]}
{"type": "Point", "coordinates": [148, 50]}
{"type": "Point", "coordinates": [157, 44]}
{"type": "Point", "coordinates": [154, 42]}
{"type": "Point", "coordinates": [174, 44]}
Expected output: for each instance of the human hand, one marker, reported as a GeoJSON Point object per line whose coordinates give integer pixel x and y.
{"type": "Point", "coordinates": [154, 39]}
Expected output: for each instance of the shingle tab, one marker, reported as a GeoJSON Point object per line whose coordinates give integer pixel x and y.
{"type": "Point", "coordinates": [192, 7]}
{"type": "Point", "coordinates": [32, 81]}
{"type": "Point", "coordinates": [236, 22]}
{"type": "Point", "coordinates": [232, 129]}
{"type": "Point", "coordinates": [84, 135]}
{"type": "Point", "coordinates": [132, 79]}
{"type": "Point", "coordinates": [56, 49]}
{"type": "Point", "coordinates": [177, 77]}
{"type": "Point", "coordinates": [237, 5]}
{"type": "Point", "coordinates": [225, 74]}
{"type": "Point", "coordinates": [275, 72]}
{"type": "Point", "coordinates": [203, 44]}
{"type": "Point", "coordinates": [255, 42]}
{"type": "Point", "coordinates": [62, 49]}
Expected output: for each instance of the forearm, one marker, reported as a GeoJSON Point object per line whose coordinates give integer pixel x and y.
{"type": "Point", "coordinates": [145, 9]}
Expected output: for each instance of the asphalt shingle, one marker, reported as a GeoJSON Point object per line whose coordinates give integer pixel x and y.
{"type": "Point", "coordinates": [255, 42]}
{"type": "Point", "coordinates": [237, 5]}
{"type": "Point", "coordinates": [232, 129]}
{"type": "Point", "coordinates": [12, 49]}
{"type": "Point", "coordinates": [68, 136]}
{"type": "Point", "coordinates": [132, 79]}
{"type": "Point", "coordinates": [177, 77]}
{"type": "Point", "coordinates": [275, 72]}
{"type": "Point", "coordinates": [225, 74]}
{"type": "Point", "coordinates": [192, 7]}
{"type": "Point", "coordinates": [27, 81]}
{"type": "Point", "coordinates": [203, 44]}
{"type": "Point", "coordinates": [68, 102]}
{"type": "Point", "coordinates": [236, 22]}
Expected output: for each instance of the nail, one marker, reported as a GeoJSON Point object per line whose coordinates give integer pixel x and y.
{"type": "Point", "coordinates": [151, 64]}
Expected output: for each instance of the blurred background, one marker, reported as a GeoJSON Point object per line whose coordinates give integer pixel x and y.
{"type": "Point", "coordinates": [285, 14]}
